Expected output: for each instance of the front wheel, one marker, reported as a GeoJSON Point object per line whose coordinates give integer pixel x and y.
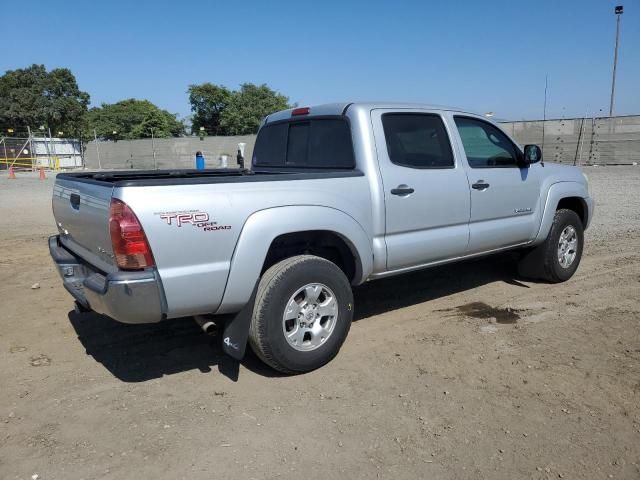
{"type": "Point", "coordinates": [302, 314]}
{"type": "Point", "coordinates": [558, 257]}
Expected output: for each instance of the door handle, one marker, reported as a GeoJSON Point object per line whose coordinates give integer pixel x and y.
{"type": "Point", "coordinates": [402, 190]}
{"type": "Point", "coordinates": [480, 185]}
{"type": "Point", "coordinates": [74, 199]}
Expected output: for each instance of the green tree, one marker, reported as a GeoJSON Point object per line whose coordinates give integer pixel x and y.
{"type": "Point", "coordinates": [227, 112]}
{"type": "Point", "coordinates": [33, 97]}
{"type": "Point", "coordinates": [207, 103]}
{"type": "Point", "coordinates": [131, 119]}
{"type": "Point", "coordinates": [248, 107]}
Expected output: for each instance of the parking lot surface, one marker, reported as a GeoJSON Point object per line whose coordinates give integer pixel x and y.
{"type": "Point", "coordinates": [464, 371]}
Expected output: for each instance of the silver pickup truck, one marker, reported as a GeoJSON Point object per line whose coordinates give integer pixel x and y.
{"type": "Point", "coordinates": [337, 195]}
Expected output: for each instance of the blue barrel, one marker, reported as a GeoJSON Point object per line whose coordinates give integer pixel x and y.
{"type": "Point", "coordinates": [199, 161]}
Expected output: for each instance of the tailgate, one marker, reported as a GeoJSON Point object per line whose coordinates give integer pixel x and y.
{"type": "Point", "coordinates": [81, 210]}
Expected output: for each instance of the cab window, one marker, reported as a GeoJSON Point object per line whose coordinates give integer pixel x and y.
{"type": "Point", "coordinates": [417, 140]}
{"type": "Point", "coordinates": [485, 145]}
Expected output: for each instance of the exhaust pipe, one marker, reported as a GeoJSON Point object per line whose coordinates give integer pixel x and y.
{"type": "Point", "coordinates": [206, 323]}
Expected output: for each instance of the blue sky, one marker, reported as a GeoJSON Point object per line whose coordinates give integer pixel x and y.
{"type": "Point", "coordinates": [479, 55]}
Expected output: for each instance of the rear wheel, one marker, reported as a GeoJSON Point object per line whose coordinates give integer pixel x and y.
{"type": "Point", "coordinates": [302, 314]}
{"type": "Point", "coordinates": [558, 257]}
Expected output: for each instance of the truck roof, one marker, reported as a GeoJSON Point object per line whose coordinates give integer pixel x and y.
{"type": "Point", "coordinates": [339, 108]}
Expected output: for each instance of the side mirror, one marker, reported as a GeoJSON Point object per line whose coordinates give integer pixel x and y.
{"type": "Point", "coordinates": [532, 154]}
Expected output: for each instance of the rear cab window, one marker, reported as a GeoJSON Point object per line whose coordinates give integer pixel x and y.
{"type": "Point", "coordinates": [316, 143]}
{"type": "Point", "coordinates": [417, 140]}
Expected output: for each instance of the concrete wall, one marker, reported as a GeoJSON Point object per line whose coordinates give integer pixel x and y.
{"type": "Point", "coordinates": [582, 141]}
{"type": "Point", "coordinates": [588, 141]}
{"type": "Point", "coordinates": [169, 152]}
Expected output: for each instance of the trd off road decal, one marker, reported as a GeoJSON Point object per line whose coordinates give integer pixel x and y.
{"type": "Point", "coordinates": [195, 218]}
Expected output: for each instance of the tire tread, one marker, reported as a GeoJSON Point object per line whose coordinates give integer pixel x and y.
{"type": "Point", "coordinates": [258, 328]}
{"type": "Point", "coordinates": [540, 262]}
{"type": "Point", "coordinates": [257, 334]}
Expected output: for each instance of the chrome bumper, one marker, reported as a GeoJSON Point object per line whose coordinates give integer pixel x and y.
{"type": "Point", "coordinates": [129, 297]}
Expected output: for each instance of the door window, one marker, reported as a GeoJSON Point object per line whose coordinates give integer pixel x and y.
{"type": "Point", "coordinates": [417, 140]}
{"type": "Point", "coordinates": [484, 145]}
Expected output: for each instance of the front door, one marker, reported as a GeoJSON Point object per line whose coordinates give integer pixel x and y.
{"type": "Point", "coordinates": [505, 197]}
{"type": "Point", "coordinates": [426, 191]}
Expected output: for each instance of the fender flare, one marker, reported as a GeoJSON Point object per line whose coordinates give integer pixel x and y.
{"type": "Point", "coordinates": [557, 192]}
{"type": "Point", "coordinates": [262, 227]}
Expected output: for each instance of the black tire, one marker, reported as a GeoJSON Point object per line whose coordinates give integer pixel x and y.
{"type": "Point", "coordinates": [542, 262]}
{"type": "Point", "coordinates": [278, 284]}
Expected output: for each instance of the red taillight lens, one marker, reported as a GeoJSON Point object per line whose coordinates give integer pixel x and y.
{"type": "Point", "coordinates": [300, 111]}
{"type": "Point", "coordinates": [129, 242]}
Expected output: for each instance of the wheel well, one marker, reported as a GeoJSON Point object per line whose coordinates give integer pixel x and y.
{"type": "Point", "coordinates": [577, 205]}
{"type": "Point", "coordinates": [322, 243]}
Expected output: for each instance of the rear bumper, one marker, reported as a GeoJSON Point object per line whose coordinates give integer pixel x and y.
{"type": "Point", "coordinates": [129, 297]}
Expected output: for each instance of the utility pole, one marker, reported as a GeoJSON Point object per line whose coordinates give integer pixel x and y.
{"type": "Point", "coordinates": [619, 10]}
{"type": "Point", "coordinates": [544, 109]}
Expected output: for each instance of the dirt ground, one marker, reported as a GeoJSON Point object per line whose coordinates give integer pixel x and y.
{"type": "Point", "coordinates": [428, 384]}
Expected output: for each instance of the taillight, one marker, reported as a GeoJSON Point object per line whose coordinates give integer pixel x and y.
{"type": "Point", "coordinates": [300, 111]}
{"type": "Point", "coordinates": [130, 245]}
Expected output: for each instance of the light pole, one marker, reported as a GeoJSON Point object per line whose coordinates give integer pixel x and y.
{"type": "Point", "coordinates": [619, 10]}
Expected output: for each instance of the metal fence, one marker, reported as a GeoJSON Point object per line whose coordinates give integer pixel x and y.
{"type": "Point", "coordinates": [582, 141]}
{"type": "Point", "coordinates": [576, 141]}
{"type": "Point", "coordinates": [31, 152]}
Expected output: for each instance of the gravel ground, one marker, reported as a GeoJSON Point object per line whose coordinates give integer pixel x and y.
{"type": "Point", "coordinates": [426, 385]}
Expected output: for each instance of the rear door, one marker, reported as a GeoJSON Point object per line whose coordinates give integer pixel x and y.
{"type": "Point", "coordinates": [504, 197]}
{"type": "Point", "coordinates": [426, 191]}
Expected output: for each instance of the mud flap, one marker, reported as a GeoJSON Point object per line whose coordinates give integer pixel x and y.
{"type": "Point", "coordinates": [236, 330]}
{"type": "Point", "coordinates": [531, 265]}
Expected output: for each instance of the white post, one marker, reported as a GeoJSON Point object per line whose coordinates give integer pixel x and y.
{"type": "Point", "coordinates": [31, 148]}
{"type": "Point", "coordinates": [581, 139]}
{"type": "Point", "coordinates": [4, 144]}
{"type": "Point", "coordinates": [241, 147]}
{"type": "Point", "coordinates": [153, 149]}
{"type": "Point", "coordinates": [95, 137]}
{"type": "Point", "coordinates": [46, 145]}
{"type": "Point", "coordinates": [53, 147]}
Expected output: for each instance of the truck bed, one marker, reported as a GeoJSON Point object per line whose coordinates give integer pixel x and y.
{"type": "Point", "coordinates": [193, 263]}
{"type": "Point", "coordinates": [143, 178]}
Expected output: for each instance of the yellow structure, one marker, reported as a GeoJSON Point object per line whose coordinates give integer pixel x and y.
{"type": "Point", "coordinates": [31, 163]}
